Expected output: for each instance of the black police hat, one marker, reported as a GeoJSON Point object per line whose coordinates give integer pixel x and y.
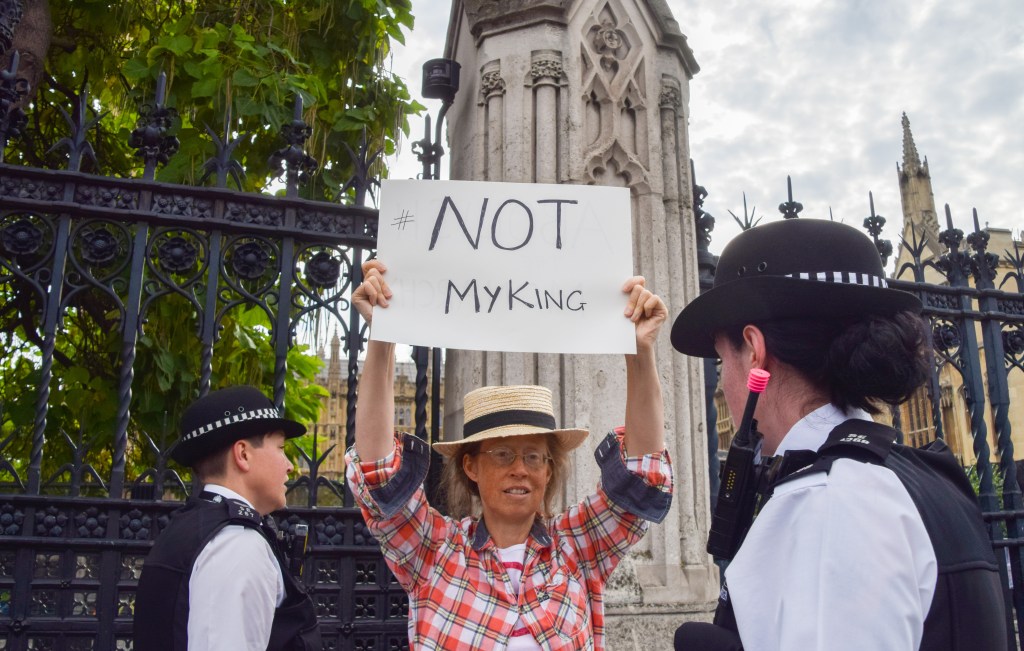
{"type": "Point", "coordinates": [222, 417]}
{"type": "Point", "coordinates": [789, 269]}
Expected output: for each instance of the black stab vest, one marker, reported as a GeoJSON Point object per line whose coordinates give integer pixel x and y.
{"type": "Point", "coordinates": [161, 601]}
{"type": "Point", "coordinates": [968, 609]}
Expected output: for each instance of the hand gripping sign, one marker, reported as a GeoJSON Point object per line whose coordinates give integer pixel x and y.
{"type": "Point", "coordinates": [512, 267]}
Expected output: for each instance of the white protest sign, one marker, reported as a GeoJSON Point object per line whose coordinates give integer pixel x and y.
{"type": "Point", "coordinates": [512, 267]}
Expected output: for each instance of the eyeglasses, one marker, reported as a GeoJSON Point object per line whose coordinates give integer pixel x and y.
{"type": "Point", "coordinates": [504, 457]}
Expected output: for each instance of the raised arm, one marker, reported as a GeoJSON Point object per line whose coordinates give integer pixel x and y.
{"type": "Point", "coordinates": [645, 408]}
{"type": "Point", "coordinates": [375, 409]}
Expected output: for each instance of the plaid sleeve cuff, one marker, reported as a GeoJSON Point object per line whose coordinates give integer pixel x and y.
{"type": "Point", "coordinates": [384, 486]}
{"type": "Point", "coordinates": [639, 485]}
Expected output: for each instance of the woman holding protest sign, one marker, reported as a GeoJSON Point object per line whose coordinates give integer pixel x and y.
{"type": "Point", "coordinates": [502, 571]}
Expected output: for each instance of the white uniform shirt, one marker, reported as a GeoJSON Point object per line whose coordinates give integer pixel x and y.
{"type": "Point", "coordinates": [838, 561]}
{"type": "Point", "coordinates": [235, 586]}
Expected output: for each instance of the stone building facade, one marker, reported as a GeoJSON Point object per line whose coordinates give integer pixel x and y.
{"type": "Point", "coordinates": [920, 222]}
{"type": "Point", "coordinates": [331, 427]}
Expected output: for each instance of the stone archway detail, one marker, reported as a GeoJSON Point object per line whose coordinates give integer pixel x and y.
{"type": "Point", "coordinates": [616, 166]}
{"type": "Point", "coordinates": [613, 76]}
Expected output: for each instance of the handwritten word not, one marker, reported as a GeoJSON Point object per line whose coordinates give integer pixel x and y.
{"type": "Point", "coordinates": [521, 212]}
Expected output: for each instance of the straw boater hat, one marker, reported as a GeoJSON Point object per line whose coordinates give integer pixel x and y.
{"type": "Point", "coordinates": [222, 417]}
{"type": "Point", "coordinates": [790, 269]}
{"type": "Point", "coordinates": [497, 412]}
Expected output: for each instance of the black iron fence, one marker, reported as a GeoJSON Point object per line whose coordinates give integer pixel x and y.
{"type": "Point", "coordinates": [974, 301]}
{"type": "Point", "coordinates": [74, 535]}
{"type": "Point", "coordinates": [978, 333]}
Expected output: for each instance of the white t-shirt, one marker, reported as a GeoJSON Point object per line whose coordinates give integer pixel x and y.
{"type": "Point", "coordinates": [513, 558]}
{"type": "Point", "coordinates": [839, 561]}
{"type": "Point", "coordinates": [236, 585]}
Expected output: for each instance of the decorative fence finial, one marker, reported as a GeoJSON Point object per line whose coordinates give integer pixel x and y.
{"type": "Point", "coordinates": [77, 144]}
{"type": "Point", "coordinates": [1016, 260]}
{"type": "Point", "coordinates": [748, 220]}
{"type": "Point", "coordinates": [874, 224]}
{"type": "Point", "coordinates": [300, 165]}
{"type": "Point", "coordinates": [707, 262]}
{"type": "Point", "coordinates": [951, 237]}
{"type": "Point", "coordinates": [978, 240]}
{"type": "Point", "coordinates": [705, 222]}
{"type": "Point", "coordinates": [223, 163]}
{"type": "Point", "coordinates": [149, 138]}
{"type": "Point", "coordinates": [983, 263]}
{"type": "Point", "coordinates": [362, 181]}
{"type": "Point", "coordinates": [954, 264]}
{"type": "Point", "coordinates": [790, 209]}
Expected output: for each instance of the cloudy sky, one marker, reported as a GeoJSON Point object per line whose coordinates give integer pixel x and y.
{"type": "Point", "coordinates": [816, 89]}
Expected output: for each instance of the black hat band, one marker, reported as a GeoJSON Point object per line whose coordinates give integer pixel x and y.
{"type": "Point", "coordinates": [842, 277]}
{"type": "Point", "coordinates": [246, 415]}
{"type": "Point", "coordinates": [508, 417]}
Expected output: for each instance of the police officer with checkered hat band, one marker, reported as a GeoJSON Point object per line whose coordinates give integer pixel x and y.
{"type": "Point", "coordinates": [216, 577]}
{"type": "Point", "coordinates": [860, 542]}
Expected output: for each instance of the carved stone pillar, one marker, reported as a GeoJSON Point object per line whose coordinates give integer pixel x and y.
{"type": "Point", "coordinates": [596, 92]}
{"type": "Point", "coordinates": [492, 90]}
{"type": "Point", "coordinates": [546, 78]}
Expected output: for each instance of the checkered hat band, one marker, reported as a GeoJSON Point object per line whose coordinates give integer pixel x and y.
{"type": "Point", "coordinates": [843, 278]}
{"type": "Point", "coordinates": [235, 418]}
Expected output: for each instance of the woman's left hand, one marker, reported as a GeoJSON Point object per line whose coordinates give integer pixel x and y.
{"type": "Point", "coordinates": [374, 290]}
{"type": "Point", "coordinates": [645, 309]}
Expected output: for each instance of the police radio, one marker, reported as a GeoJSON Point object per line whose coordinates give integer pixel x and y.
{"type": "Point", "coordinates": [297, 553]}
{"type": "Point", "coordinates": [737, 494]}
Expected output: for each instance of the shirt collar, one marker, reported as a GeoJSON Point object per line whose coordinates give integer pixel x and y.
{"type": "Point", "coordinates": [538, 532]}
{"type": "Point", "coordinates": [217, 489]}
{"type": "Point", "coordinates": [810, 432]}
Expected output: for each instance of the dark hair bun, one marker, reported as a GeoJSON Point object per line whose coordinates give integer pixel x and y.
{"type": "Point", "coordinates": [878, 358]}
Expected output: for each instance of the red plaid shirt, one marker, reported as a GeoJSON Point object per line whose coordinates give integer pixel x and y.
{"type": "Point", "coordinates": [460, 596]}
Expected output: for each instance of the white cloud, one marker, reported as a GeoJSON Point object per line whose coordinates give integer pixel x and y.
{"type": "Point", "coordinates": [827, 81]}
{"type": "Point", "coordinates": [816, 88]}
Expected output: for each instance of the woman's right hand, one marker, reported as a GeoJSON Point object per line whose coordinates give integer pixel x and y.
{"type": "Point", "coordinates": [372, 291]}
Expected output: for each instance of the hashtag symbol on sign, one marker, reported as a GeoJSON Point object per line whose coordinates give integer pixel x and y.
{"type": "Point", "coordinates": [402, 220]}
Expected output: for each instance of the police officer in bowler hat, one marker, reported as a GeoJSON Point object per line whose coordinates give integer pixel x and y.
{"type": "Point", "coordinates": [860, 542]}
{"type": "Point", "coordinates": [216, 577]}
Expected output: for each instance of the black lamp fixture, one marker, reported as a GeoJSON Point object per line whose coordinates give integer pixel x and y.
{"type": "Point", "coordinates": [440, 81]}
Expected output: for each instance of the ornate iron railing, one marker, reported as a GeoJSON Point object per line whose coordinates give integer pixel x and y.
{"type": "Point", "coordinates": [966, 304]}
{"type": "Point", "coordinates": [73, 539]}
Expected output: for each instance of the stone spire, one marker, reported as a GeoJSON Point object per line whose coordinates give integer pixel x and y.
{"type": "Point", "coordinates": [919, 219]}
{"type": "Point", "coordinates": [911, 161]}
{"type": "Point", "coordinates": [334, 364]}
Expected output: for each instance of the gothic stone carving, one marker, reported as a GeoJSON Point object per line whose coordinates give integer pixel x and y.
{"type": "Point", "coordinates": [491, 83]}
{"type": "Point", "coordinates": [546, 69]}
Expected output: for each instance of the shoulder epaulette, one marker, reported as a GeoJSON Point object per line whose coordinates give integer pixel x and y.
{"type": "Point", "coordinates": [859, 440]}
{"type": "Point", "coordinates": [242, 513]}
